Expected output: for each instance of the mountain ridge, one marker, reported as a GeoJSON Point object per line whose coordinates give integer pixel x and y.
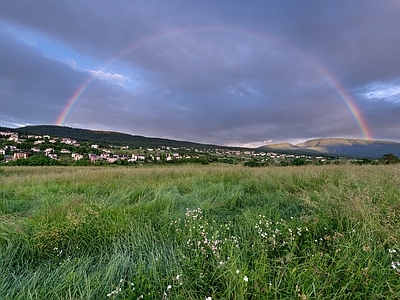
{"type": "Point", "coordinates": [341, 146]}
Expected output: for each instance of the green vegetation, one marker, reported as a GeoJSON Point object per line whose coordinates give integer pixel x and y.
{"type": "Point", "coordinates": [390, 158]}
{"type": "Point", "coordinates": [200, 232]}
{"type": "Point", "coordinates": [35, 160]}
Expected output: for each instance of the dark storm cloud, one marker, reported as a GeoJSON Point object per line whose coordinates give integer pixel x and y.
{"type": "Point", "coordinates": [212, 71]}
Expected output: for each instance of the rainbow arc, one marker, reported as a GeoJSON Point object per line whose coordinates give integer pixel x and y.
{"type": "Point", "coordinates": [343, 95]}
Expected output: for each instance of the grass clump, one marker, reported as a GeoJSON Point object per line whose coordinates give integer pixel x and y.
{"type": "Point", "coordinates": [200, 232]}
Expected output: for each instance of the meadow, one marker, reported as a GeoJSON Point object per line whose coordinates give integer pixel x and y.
{"type": "Point", "coordinates": [200, 232]}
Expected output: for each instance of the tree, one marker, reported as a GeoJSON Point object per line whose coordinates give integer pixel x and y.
{"type": "Point", "coordinates": [390, 158]}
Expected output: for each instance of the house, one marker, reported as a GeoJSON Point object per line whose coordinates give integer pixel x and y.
{"type": "Point", "coordinates": [20, 155]}
{"type": "Point", "coordinates": [2, 152]}
{"type": "Point", "coordinates": [65, 151]}
{"type": "Point", "coordinates": [94, 157]}
{"type": "Point", "coordinates": [35, 149]}
{"type": "Point", "coordinates": [8, 133]}
{"type": "Point", "coordinates": [13, 138]}
{"type": "Point", "coordinates": [112, 159]}
{"type": "Point", "coordinates": [76, 156]}
{"type": "Point", "coordinates": [104, 155]}
{"type": "Point", "coordinates": [52, 155]}
{"type": "Point", "coordinates": [68, 141]}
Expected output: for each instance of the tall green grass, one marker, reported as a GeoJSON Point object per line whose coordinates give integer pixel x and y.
{"type": "Point", "coordinates": [195, 232]}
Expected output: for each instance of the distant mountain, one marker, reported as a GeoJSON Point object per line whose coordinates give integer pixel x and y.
{"type": "Point", "coordinates": [107, 137]}
{"type": "Point", "coordinates": [338, 146]}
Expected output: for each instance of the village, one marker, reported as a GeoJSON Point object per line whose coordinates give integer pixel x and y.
{"type": "Point", "coordinates": [67, 151]}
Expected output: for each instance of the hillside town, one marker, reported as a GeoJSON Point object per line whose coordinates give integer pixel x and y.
{"type": "Point", "coordinates": [66, 151]}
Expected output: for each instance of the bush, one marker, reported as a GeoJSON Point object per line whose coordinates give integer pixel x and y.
{"type": "Point", "coordinates": [35, 160]}
{"type": "Point", "coordinates": [82, 162]}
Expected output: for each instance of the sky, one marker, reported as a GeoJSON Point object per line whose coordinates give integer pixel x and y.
{"type": "Point", "coordinates": [225, 72]}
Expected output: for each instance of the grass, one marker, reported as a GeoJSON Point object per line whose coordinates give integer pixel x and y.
{"type": "Point", "coordinates": [200, 232]}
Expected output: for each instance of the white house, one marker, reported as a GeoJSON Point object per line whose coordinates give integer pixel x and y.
{"type": "Point", "coordinates": [76, 156]}
{"type": "Point", "coordinates": [112, 159]}
{"type": "Point", "coordinates": [52, 155]}
{"type": "Point", "coordinates": [68, 141]}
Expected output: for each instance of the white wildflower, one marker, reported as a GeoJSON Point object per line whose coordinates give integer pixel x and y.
{"type": "Point", "coordinates": [396, 265]}
{"type": "Point", "coordinates": [245, 278]}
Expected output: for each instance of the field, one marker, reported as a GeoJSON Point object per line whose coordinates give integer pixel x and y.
{"type": "Point", "coordinates": [200, 232]}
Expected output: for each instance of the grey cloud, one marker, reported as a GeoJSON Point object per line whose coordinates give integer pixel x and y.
{"type": "Point", "coordinates": [33, 87]}
{"type": "Point", "coordinates": [210, 71]}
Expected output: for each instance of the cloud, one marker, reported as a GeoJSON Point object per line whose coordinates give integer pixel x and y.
{"type": "Point", "coordinates": [388, 92]}
{"type": "Point", "coordinates": [222, 72]}
{"type": "Point", "coordinates": [107, 76]}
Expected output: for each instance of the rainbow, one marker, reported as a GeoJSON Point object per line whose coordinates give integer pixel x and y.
{"type": "Point", "coordinates": [326, 75]}
{"type": "Point", "coordinates": [74, 98]}
{"type": "Point", "coordinates": [348, 101]}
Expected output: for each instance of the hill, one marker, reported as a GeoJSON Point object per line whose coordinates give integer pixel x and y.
{"type": "Point", "coordinates": [338, 146]}
{"type": "Point", "coordinates": [332, 146]}
{"type": "Point", "coordinates": [107, 137]}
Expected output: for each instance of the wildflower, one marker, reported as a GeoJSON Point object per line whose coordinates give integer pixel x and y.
{"type": "Point", "coordinates": [169, 287]}
{"type": "Point", "coordinates": [237, 271]}
{"type": "Point", "coordinates": [392, 251]}
{"type": "Point", "coordinates": [245, 278]}
{"type": "Point", "coordinates": [396, 265]}
{"type": "Point", "coordinates": [208, 298]}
